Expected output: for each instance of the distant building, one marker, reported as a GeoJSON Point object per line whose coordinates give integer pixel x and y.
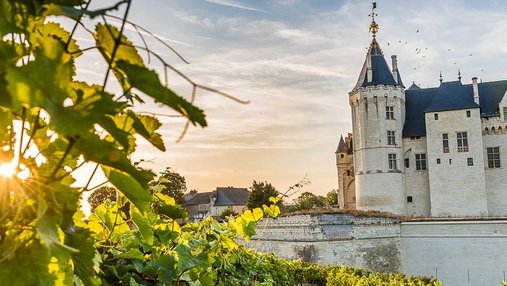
{"type": "Point", "coordinates": [436, 151]}
{"type": "Point", "coordinates": [202, 205]}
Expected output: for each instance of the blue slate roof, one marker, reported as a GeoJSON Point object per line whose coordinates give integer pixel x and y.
{"type": "Point", "coordinates": [341, 146]}
{"type": "Point", "coordinates": [381, 74]}
{"type": "Point", "coordinates": [449, 96]}
{"type": "Point", "coordinates": [414, 86]}
{"type": "Point", "coordinates": [228, 196]}
{"type": "Point", "coordinates": [452, 96]}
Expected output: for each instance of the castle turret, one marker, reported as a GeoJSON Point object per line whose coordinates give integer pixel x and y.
{"type": "Point", "coordinates": [345, 167]}
{"type": "Point", "coordinates": [378, 114]}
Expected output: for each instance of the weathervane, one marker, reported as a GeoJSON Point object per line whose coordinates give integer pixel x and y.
{"type": "Point", "coordinates": [373, 25]}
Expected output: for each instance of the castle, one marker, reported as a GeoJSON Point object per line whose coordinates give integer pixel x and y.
{"type": "Point", "coordinates": [432, 152]}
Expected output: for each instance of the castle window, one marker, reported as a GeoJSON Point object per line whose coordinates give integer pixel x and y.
{"type": "Point", "coordinates": [407, 163]}
{"type": "Point", "coordinates": [493, 157]}
{"type": "Point", "coordinates": [389, 112]}
{"type": "Point", "coordinates": [420, 162]}
{"type": "Point", "coordinates": [410, 199]}
{"type": "Point", "coordinates": [505, 114]}
{"type": "Point", "coordinates": [436, 116]}
{"type": "Point", "coordinates": [450, 161]}
{"type": "Point", "coordinates": [391, 159]}
{"type": "Point", "coordinates": [470, 161]}
{"type": "Point", "coordinates": [341, 155]}
{"type": "Point", "coordinates": [445, 143]}
{"type": "Point", "coordinates": [468, 113]}
{"type": "Point", "coordinates": [438, 160]}
{"type": "Point", "coordinates": [391, 138]}
{"type": "Point", "coordinates": [462, 141]}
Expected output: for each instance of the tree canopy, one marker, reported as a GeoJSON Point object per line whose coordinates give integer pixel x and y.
{"type": "Point", "coordinates": [100, 195]}
{"type": "Point", "coordinates": [172, 184]}
{"type": "Point", "coordinates": [260, 192]}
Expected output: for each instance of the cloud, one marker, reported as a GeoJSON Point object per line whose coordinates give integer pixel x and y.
{"type": "Point", "coordinates": [296, 65]}
{"type": "Point", "coordinates": [234, 4]}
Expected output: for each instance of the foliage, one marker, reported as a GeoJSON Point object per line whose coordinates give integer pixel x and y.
{"type": "Point", "coordinates": [171, 184]}
{"type": "Point", "coordinates": [260, 192]}
{"type": "Point", "coordinates": [159, 250]}
{"type": "Point", "coordinates": [332, 198]}
{"type": "Point", "coordinates": [309, 200]}
{"type": "Point", "coordinates": [346, 276]}
{"type": "Point", "coordinates": [227, 212]}
{"type": "Point", "coordinates": [51, 124]}
{"type": "Point", "coordinates": [306, 201]}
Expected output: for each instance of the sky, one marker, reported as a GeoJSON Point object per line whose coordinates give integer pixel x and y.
{"type": "Point", "coordinates": [295, 62]}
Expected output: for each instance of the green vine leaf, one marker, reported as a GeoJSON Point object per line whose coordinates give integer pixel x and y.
{"type": "Point", "coordinates": [32, 85]}
{"type": "Point", "coordinates": [86, 260]}
{"type": "Point", "coordinates": [147, 126]}
{"type": "Point", "coordinates": [131, 188]}
{"type": "Point", "coordinates": [144, 226]}
{"type": "Point", "coordinates": [147, 81]}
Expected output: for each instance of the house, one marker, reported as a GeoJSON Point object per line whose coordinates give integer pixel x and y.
{"type": "Point", "coordinates": [201, 205]}
{"type": "Point", "coordinates": [432, 152]}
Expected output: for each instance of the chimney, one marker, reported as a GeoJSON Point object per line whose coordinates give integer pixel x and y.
{"type": "Point", "coordinates": [476, 90]}
{"type": "Point", "coordinates": [369, 72]}
{"type": "Point", "coordinates": [395, 68]}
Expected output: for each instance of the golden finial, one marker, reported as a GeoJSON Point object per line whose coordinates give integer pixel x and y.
{"type": "Point", "coordinates": [373, 26]}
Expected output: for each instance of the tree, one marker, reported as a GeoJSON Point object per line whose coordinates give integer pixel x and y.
{"type": "Point", "coordinates": [100, 195]}
{"type": "Point", "coordinates": [44, 107]}
{"type": "Point", "coordinates": [70, 123]}
{"type": "Point", "coordinates": [309, 200]}
{"type": "Point", "coordinates": [227, 212]}
{"type": "Point", "coordinates": [332, 198]}
{"type": "Point", "coordinates": [260, 192]}
{"type": "Point", "coordinates": [172, 184]}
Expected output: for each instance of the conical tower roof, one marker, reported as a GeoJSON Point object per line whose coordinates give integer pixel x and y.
{"type": "Point", "coordinates": [380, 72]}
{"type": "Point", "coordinates": [341, 146]}
{"type": "Point", "coordinates": [376, 64]}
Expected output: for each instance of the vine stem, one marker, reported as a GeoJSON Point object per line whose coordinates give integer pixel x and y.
{"type": "Point", "coordinates": [117, 44]}
{"type": "Point", "coordinates": [34, 129]}
{"type": "Point", "coordinates": [60, 163]}
{"type": "Point", "coordinates": [20, 151]}
{"type": "Point", "coordinates": [75, 26]}
{"type": "Point", "coordinates": [91, 177]}
{"type": "Point", "coordinates": [190, 81]}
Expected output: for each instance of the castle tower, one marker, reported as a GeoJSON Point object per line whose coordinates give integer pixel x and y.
{"type": "Point", "coordinates": [378, 114]}
{"type": "Point", "coordinates": [345, 167]}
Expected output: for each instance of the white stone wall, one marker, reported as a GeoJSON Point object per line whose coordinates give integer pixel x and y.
{"type": "Point", "coordinates": [337, 239]}
{"type": "Point", "coordinates": [457, 253]}
{"type": "Point", "coordinates": [456, 189]}
{"type": "Point", "coordinates": [416, 181]}
{"type": "Point", "coordinates": [217, 210]}
{"type": "Point", "coordinates": [495, 135]}
{"type": "Point", "coordinates": [377, 187]}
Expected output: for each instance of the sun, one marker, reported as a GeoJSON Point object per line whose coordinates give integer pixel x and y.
{"type": "Point", "coordinates": [7, 170]}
